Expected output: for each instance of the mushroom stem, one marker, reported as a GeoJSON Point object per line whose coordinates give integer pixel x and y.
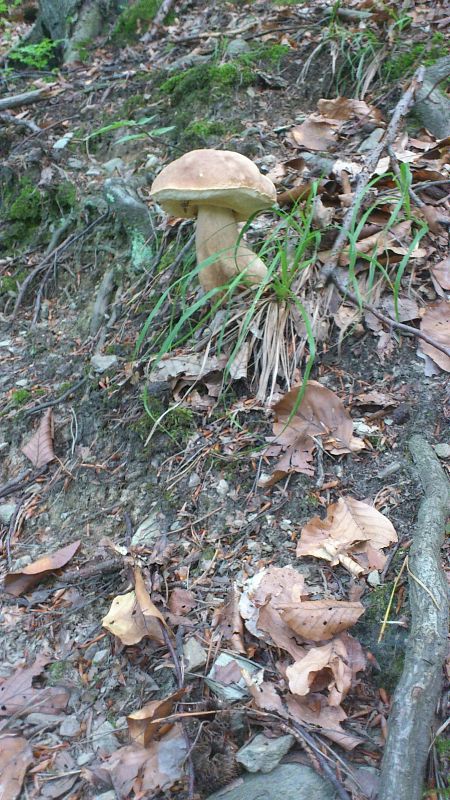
{"type": "Point", "coordinates": [217, 235]}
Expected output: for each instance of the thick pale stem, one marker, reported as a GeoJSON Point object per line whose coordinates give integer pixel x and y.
{"type": "Point", "coordinates": [217, 235]}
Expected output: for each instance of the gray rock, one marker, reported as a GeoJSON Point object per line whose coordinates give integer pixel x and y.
{"type": "Point", "coordinates": [442, 450]}
{"type": "Point", "coordinates": [111, 795]}
{"type": "Point", "coordinates": [237, 47]}
{"type": "Point", "coordinates": [104, 738]}
{"type": "Point", "coordinates": [194, 654]}
{"type": "Point", "coordinates": [101, 655]}
{"type": "Point", "coordinates": [102, 363]}
{"type": "Point", "coordinates": [222, 488]}
{"type": "Point", "coordinates": [293, 781]}
{"type": "Point", "coordinates": [150, 530]}
{"type": "Point", "coordinates": [75, 163]}
{"type": "Point", "coordinates": [263, 754]}
{"type": "Point", "coordinates": [43, 720]}
{"type": "Point", "coordinates": [70, 727]}
{"type": "Point", "coordinates": [194, 480]}
{"type": "Point", "coordinates": [113, 164]}
{"type": "Point", "coordinates": [84, 758]}
{"type": "Point", "coordinates": [6, 512]}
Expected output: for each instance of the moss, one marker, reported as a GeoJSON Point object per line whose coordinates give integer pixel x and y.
{"type": "Point", "coordinates": [205, 82]}
{"type": "Point", "coordinates": [57, 670]}
{"type": "Point", "coordinates": [27, 204]}
{"type": "Point", "coordinates": [403, 63]}
{"type": "Point", "coordinates": [178, 423]}
{"type": "Point", "coordinates": [19, 397]}
{"type": "Point", "coordinates": [25, 208]}
{"type": "Point", "coordinates": [65, 197]}
{"type": "Point", "coordinates": [390, 652]}
{"type": "Point", "coordinates": [265, 54]}
{"type": "Point", "coordinates": [134, 20]}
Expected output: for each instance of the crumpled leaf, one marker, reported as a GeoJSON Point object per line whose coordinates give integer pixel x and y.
{"type": "Point", "coordinates": [315, 711]}
{"type": "Point", "coordinates": [345, 108]}
{"type": "Point", "coordinates": [145, 771]}
{"type": "Point", "coordinates": [441, 273]}
{"type": "Point", "coordinates": [327, 667]}
{"type": "Point", "coordinates": [320, 414]}
{"type": "Point", "coordinates": [266, 697]}
{"type": "Point", "coordinates": [19, 697]}
{"type": "Point", "coordinates": [190, 366]}
{"type": "Point", "coordinates": [315, 133]}
{"type": "Point", "coordinates": [228, 677]}
{"type": "Point", "coordinates": [436, 324]}
{"type": "Point", "coordinates": [16, 583]}
{"type": "Point", "coordinates": [318, 620]}
{"type": "Point", "coordinates": [141, 724]}
{"type": "Point", "coordinates": [350, 527]}
{"type": "Point", "coordinates": [15, 758]}
{"type": "Point", "coordinates": [40, 447]}
{"type": "Point", "coordinates": [228, 621]}
{"type": "Point", "coordinates": [265, 594]}
{"type": "Point", "coordinates": [133, 615]}
{"type": "Point", "coordinates": [181, 601]}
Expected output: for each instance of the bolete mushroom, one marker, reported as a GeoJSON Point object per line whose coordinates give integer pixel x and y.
{"type": "Point", "coordinates": [221, 189]}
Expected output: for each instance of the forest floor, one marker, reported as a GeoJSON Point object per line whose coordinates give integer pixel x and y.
{"type": "Point", "coordinates": [182, 502]}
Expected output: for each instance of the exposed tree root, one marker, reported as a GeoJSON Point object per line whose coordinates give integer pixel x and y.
{"type": "Point", "coordinates": [417, 693]}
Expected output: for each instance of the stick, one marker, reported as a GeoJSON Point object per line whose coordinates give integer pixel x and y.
{"type": "Point", "coordinates": [159, 18]}
{"type": "Point", "coordinates": [417, 693]}
{"type": "Point", "coordinates": [10, 119]}
{"type": "Point", "coordinates": [23, 99]}
{"type": "Point", "coordinates": [365, 175]}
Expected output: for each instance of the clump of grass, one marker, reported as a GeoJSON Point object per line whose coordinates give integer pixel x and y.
{"type": "Point", "coordinates": [197, 83]}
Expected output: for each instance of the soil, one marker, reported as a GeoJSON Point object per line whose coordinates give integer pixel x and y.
{"type": "Point", "coordinates": [217, 526]}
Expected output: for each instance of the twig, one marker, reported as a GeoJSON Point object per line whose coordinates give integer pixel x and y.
{"type": "Point", "coordinates": [158, 20]}
{"type": "Point", "coordinates": [57, 400]}
{"type": "Point", "coordinates": [365, 175]}
{"type": "Point", "coordinates": [25, 99]}
{"type": "Point", "coordinates": [180, 682]}
{"type": "Point", "coordinates": [417, 693]}
{"type": "Point", "coordinates": [55, 253]}
{"type": "Point", "coordinates": [414, 197]}
{"type": "Point", "coordinates": [393, 323]}
{"type": "Point", "coordinates": [10, 119]}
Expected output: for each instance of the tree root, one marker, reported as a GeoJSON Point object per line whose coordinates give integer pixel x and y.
{"type": "Point", "coordinates": [417, 693]}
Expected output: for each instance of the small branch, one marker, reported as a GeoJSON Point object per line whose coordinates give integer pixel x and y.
{"type": "Point", "coordinates": [57, 400]}
{"type": "Point", "coordinates": [159, 18]}
{"type": "Point", "coordinates": [392, 323]}
{"type": "Point", "coordinates": [10, 119]}
{"type": "Point", "coordinates": [26, 99]}
{"type": "Point", "coordinates": [417, 693]}
{"type": "Point", "coordinates": [365, 175]}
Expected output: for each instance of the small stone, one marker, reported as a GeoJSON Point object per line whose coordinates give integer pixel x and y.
{"type": "Point", "coordinates": [70, 727]}
{"type": "Point", "coordinates": [286, 524]}
{"type": "Point", "coordinates": [6, 512]}
{"type": "Point", "coordinates": [104, 738]}
{"type": "Point", "coordinates": [149, 530]}
{"type": "Point", "coordinates": [22, 382]}
{"type": "Point", "coordinates": [102, 363]}
{"type": "Point", "coordinates": [222, 488]}
{"type": "Point", "coordinates": [61, 143]}
{"type": "Point", "coordinates": [43, 720]}
{"type": "Point", "coordinates": [75, 163]}
{"type": "Point", "coordinates": [373, 578]}
{"type": "Point", "coordinates": [237, 47]}
{"type": "Point", "coordinates": [110, 795]}
{"type": "Point", "coordinates": [84, 758]}
{"type": "Point", "coordinates": [263, 754]}
{"type": "Point", "coordinates": [194, 654]}
{"type": "Point", "coordinates": [442, 450]}
{"type": "Point", "coordinates": [194, 480]}
{"type": "Point", "coordinates": [113, 165]}
{"type": "Point", "coordinates": [6, 343]}
{"type": "Point", "coordinates": [152, 162]}
{"type": "Point", "coordinates": [101, 655]}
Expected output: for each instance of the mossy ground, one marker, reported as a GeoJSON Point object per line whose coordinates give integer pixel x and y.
{"type": "Point", "coordinates": [28, 211]}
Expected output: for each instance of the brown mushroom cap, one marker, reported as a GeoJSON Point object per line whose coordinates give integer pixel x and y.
{"type": "Point", "coordinates": [218, 178]}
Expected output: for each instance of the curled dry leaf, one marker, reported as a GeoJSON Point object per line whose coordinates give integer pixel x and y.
{"type": "Point", "coordinates": [345, 108]}
{"type": "Point", "coordinates": [40, 447]}
{"type": "Point", "coordinates": [181, 601]}
{"type": "Point", "coordinates": [319, 620]}
{"type": "Point", "coordinates": [266, 697]}
{"type": "Point", "coordinates": [266, 593]}
{"type": "Point", "coordinates": [228, 622]}
{"type": "Point", "coordinates": [319, 414]}
{"type": "Point", "coordinates": [16, 583]}
{"type": "Point", "coordinates": [327, 667]}
{"type": "Point", "coordinates": [315, 711]}
{"type": "Point", "coordinates": [315, 133]}
{"type": "Point", "coordinates": [350, 527]}
{"type": "Point", "coordinates": [15, 758]}
{"type": "Point", "coordinates": [19, 697]}
{"type": "Point", "coordinates": [436, 324]}
{"type": "Point", "coordinates": [441, 273]}
{"type": "Point", "coordinates": [142, 725]}
{"type": "Point", "coordinates": [133, 616]}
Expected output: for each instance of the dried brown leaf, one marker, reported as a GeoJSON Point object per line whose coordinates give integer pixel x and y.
{"type": "Point", "coordinates": [436, 324]}
{"type": "Point", "coordinates": [319, 620]}
{"type": "Point", "coordinates": [133, 616]}
{"type": "Point", "coordinates": [16, 583]}
{"type": "Point", "coordinates": [441, 272]}
{"type": "Point", "coordinates": [228, 622]}
{"type": "Point", "coordinates": [266, 697]}
{"type": "Point", "coordinates": [141, 724]}
{"type": "Point", "coordinates": [15, 758]}
{"type": "Point", "coordinates": [345, 108]}
{"type": "Point", "coordinates": [181, 601]}
{"type": "Point", "coordinates": [352, 534]}
{"type": "Point", "coordinates": [19, 697]}
{"type": "Point", "coordinates": [40, 447]}
{"type": "Point", "coordinates": [315, 711]}
{"type": "Point", "coordinates": [315, 133]}
{"type": "Point", "coordinates": [322, 668]}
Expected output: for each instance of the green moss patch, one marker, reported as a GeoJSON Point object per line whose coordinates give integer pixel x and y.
{"type": "Point", "coordinates": [205, 82]}
{"type": "Point", "coordinates": [134, 21]}
{"type": "Point", "coordinates": [26, 208]}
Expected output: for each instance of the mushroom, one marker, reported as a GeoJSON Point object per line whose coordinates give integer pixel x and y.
{"type": "Point", "coordinates": [221, 189]}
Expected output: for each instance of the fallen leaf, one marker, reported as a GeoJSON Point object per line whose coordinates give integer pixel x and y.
{"type": "Point", "coordinates": [228, 622]}
{"type": "Point", "coordinates": [319, 414]}
{"type": "Point", "coordinates": [350, 527]}
{"type": "Point", "coordinates": [322, 668]}
{"type": "Point", "coordinates": [436, 324]}
{"type": "Point", "coordinates": [15, 758]}
{"type": "Point", "coordinates": [266, 697]}
{"type": "Point", "coordinates": [441, 272]}
{"type": "Point", "coordinates": [133, 616]}
{"type": "Point", "coordinates": [345, 108]}
{"type": "Point", "coordinates": [315, 133]}
{"type": "Point", "coordinates": [19, 697]}
{"type": "Point", "coordinates": [141, 724]}
{"type": "Point", "coordinates": [318, 620]}
{"type": "Point", "coordinates": [191, 366]}
{"type": "Point", "coordinates": [40, 447]}
{"type": "Point", "coordinates": [315, 711]}
{"type": "Point", "coordinates": [181, 601]}
{"type": "Point", "coordinates": [16, 583]}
